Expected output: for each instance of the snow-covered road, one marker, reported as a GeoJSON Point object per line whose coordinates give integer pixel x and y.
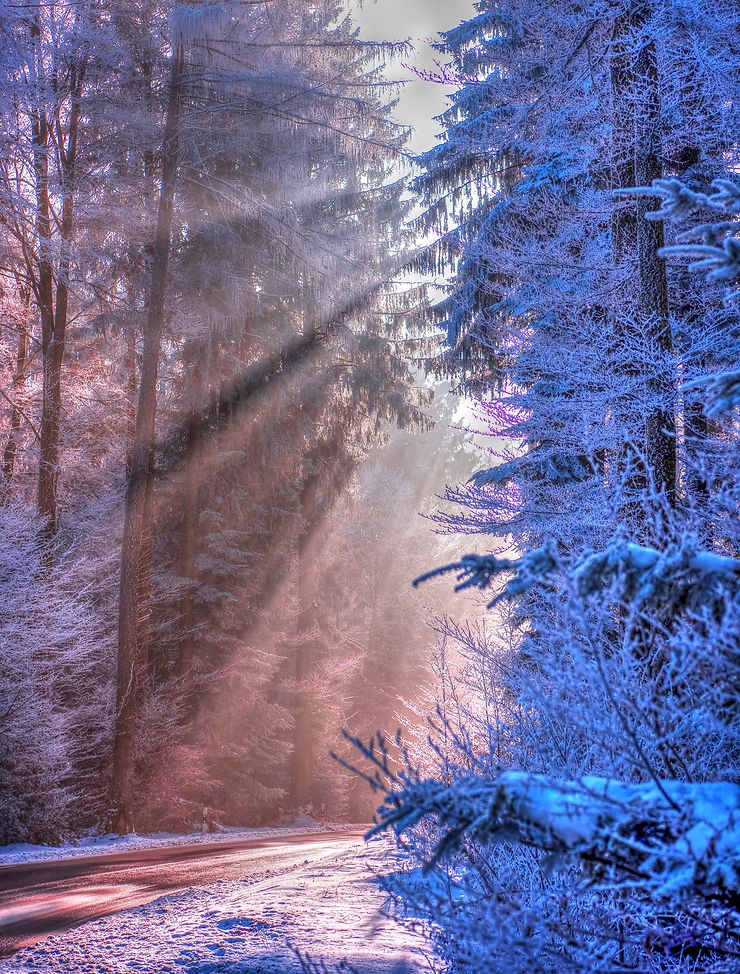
{"type": "Point", "coordinates": [316, 893]}
{"type": "Point", "coordinates": [43, 897]}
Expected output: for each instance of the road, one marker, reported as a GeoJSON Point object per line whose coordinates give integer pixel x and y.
{"type": "Point", "coordinates": [42, 898]}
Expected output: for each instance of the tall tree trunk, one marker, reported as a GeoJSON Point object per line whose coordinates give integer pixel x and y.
{"type": "Point", "coordinates": [44, 292]}
{"type": "Point", "coordinates": [628, 465]}
{"type": "Point", "coordinates": [138, 493]}
{"type": "Point", "coordinates": [303, 728]}
{"type": "Point", "coordinates": [54, 323]}
{"type": "Point", "coordinates": [132, 386]}
{"type": "Point", "coordinates": [146, 577]}
{"type": "Point", "coordinates": [696, 425]}
{"type": "Point", "coordinates": [636, 104]}
{"type": "Point", "coordinates": [660, 423]}
{"type": "Point", "coordinates": [10, 452]}
{"type": "Point", "coordinates": [147, 557]}
{"type": "Point", "coordinates": [188, 550]}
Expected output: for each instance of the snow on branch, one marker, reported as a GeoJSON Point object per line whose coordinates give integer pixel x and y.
{"type": "Point", "coordinates": [680, 202]}
{"type": "Point", "coordinates": [679, 577]}
{"type": "Point", "coordinates": [479, 571]}
{"type": "Point", "coordinates": [722, 391]}
{"type": "Point", "coordinates": [673, 838]}
{"type": "Point", "coordinates": [552, 466]}
{"type": "Point", "coordinates": [713, 249]}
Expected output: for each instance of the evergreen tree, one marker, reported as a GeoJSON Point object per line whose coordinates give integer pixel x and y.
{"type": "Point", "coordinates": [282, 213]}
{"type": "Point", "coordinates": [564, 319]}
{"type": "Point", "coordinates": [228, 370]}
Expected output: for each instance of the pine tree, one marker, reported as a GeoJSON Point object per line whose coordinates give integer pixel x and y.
{"type": "Point", "coordinates": [564, 319]}
{"type": "Point", "coordinates": [279, 218]}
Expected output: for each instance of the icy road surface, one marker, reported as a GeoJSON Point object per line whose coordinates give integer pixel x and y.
{"type": "Point", "coordinates": [233, 908]}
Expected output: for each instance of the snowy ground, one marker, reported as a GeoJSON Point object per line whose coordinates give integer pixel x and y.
{"type": "Point", "coordinates": [329, 907]}
{"type": "Point", "coordinates": [98, 845]}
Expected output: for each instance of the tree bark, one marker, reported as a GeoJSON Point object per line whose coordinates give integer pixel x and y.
{"type": "Point", "coordinates": [636, 94]}
{"type": "Point", "coordinates": [10, 452]}
{"type": "Point", "coordinates": [188, 551]}
{"type": "Point", "coordinates": [303, 729]}
{"type": "Point", "coordinates": [54, 311]}
{"type": "Point", "coordinates": [660, 423]}
{"type": "Point", "coordinates": [138, 494]}
{"type": "Point", "coordinates": [44, 291]}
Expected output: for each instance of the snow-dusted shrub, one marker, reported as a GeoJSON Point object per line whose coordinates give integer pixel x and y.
{"type": "Point", "coordinates": [584, 812]}
{"type": "Point", "coordinates": [52, 698]}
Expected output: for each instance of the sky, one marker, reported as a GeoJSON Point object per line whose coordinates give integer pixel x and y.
{"type": "Point", "coordinates": [420, 21]}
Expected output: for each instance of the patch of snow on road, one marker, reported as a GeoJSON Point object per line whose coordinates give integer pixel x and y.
{"type": "Point", "coordinates": [329, 908]}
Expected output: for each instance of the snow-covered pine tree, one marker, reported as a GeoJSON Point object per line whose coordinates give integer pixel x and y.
{"type": "Point", "coordinates": [581, 343]}
{"type": "Point", "coordinates": [547, 262]}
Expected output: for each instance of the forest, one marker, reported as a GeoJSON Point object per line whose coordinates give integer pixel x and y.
{"type": "Point", "coordinates": [344, 481]}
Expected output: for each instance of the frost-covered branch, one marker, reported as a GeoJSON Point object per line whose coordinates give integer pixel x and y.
{"type": "Point", "coordinates": [680, 201]}
{"type": "Point", "coordinates": [722, 391]}
{"type": "Point", "coordinates": [678, 838]}
{"type": "Point", "coordinates": [682, 576]}
{"type": "Point", "coordinates": [713, 249]}
{"type": "Point", "coordinates": [553, 466]}
{"type": "Point", "coordinates": [479, 571]}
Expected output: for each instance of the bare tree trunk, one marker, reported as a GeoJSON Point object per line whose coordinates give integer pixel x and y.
{"type": "Point", "coordinates": [131, 388]}
{"type": "Point", "coordinates": [146, 575]}
{"type": "Point", "coordinates": [44, 290]}
{"type": "Point", "coordinates": [147, 557]}
{"type": "Point", "coordinates": [636, 94]}
{"type": "Point", "coordinates": [54, 324]}
{"type": "Point", "coordinates": [138, 494]}
{"type": "Point", "coordinates": [303, 728]}
{"type": "Point", "coordinates": [19, 382]}
{"type": "Point", "coordinates": [188, 551]}
{"type": "Point", "coordinates": [628, 465]}
{"type": "Point", "coordinates": [660, 423]}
